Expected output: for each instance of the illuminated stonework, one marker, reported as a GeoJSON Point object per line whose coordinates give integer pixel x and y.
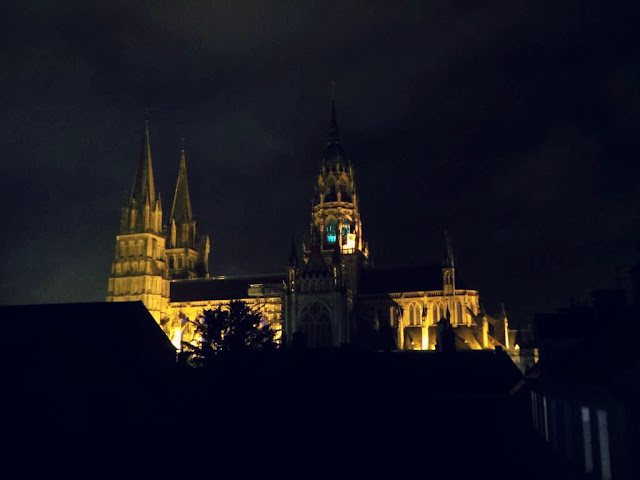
{"type": "Point", "coordinates": [335, 201]}
{"type": "Point", "coordinates": [329, 297]}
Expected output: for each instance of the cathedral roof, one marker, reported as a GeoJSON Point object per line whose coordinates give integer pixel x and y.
{"type": "Point", "coordinates": [404, 279]}
{"type": "Point", "coordinates": [96, 348]}
{"type": "Point", "coordinates": [220, 288]}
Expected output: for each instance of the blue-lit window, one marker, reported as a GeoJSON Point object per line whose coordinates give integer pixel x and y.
{"type": "Point", "coordinates": [332, 232]}
{"type": "Point", "coordinates": [346, 229]}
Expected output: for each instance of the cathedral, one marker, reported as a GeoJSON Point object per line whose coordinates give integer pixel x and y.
{"type": "Point", "coordinates": [329, 295]}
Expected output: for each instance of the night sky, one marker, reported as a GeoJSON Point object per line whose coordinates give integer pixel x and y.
{"type": "Point", "coordinates": [513, 125]}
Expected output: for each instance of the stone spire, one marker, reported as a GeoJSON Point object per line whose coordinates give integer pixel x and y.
{"type": "Point", "coordinates": [333, 155]}
{"type": "Point", "coordinates": [181, 208]}
{"type": "Point", "coordinates": [144, 213]}
{"type": "Point", "coordinates": [448, 268]}
{"type": "Point", "coordinates": [448, 257]}
{"type": "Point", "coordinates": [144, 191]}
{"type": "Point", "coordinates": [182, 227]}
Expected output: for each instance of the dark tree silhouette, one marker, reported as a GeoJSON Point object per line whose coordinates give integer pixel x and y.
{"type": "Point", "coordinates": [233, 328]}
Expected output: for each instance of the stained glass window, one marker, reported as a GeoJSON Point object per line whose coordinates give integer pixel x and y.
{"type": "Point", "coordinates": [332, 232]}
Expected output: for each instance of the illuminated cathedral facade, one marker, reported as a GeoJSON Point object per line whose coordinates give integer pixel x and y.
{"type": "Point", "coordinates": [329, 295]}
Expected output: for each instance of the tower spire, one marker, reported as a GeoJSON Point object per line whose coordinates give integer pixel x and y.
{"type": "Point", "coordinates": [181, 208]}
{"type": "Point", "coordinates": [143, 213]}
{"type": "Point", "coordinates": [144, 186]}
{"type": "Point", "coordinates": [449, 261]}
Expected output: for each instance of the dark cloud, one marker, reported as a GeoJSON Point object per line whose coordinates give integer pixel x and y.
{"type": "Point", "coordinates": [512, 124]}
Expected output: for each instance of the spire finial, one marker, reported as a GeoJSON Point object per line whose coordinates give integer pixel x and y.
{"type": "Point", "coordinates": [332, 94]}
{"type": "Point", "coordinates": [146, 117]}
{"type": "Point", "coordinates": [183, 142]}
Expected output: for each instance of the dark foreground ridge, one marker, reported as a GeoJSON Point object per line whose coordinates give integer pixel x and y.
{"type": "Point", "coordinates": [284, 414]}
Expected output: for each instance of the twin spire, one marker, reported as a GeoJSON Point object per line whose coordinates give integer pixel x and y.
{"type": "Point", "coordinates": [143, 202]}
{"type": "Point", "coordinates": [143, 194]}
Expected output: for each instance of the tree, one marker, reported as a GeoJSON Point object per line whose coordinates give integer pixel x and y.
{"type": "Point", "coordinates": [233, 328]}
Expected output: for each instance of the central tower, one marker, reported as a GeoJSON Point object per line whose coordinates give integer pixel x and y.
{"type": "Point", "coordinates": [335, 212]}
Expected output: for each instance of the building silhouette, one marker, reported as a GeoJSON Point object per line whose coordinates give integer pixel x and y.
{"type": "Point", "coordinates": [329, 295]}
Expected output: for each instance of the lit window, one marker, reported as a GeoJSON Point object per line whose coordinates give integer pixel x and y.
{"type": "Point", "coordinates": [332, 231]}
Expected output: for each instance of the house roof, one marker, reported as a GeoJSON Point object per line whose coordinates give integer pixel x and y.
{"type": "Point", "coordinates": [220, 288]}
{"type": "Point", "coordinates": [428, 375]}
{"type": "Point", "coordinates": [116, 336]}
{"type": "Point", "coordinates": [605, 360]}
